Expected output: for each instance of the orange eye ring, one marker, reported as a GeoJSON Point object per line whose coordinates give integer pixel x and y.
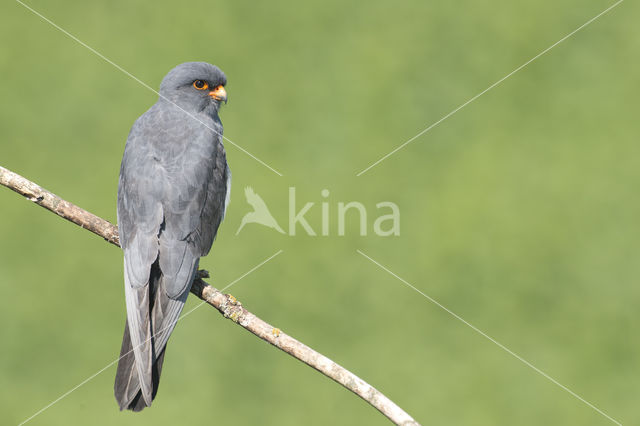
{"type": "Point", "coordinates": [201, 85]}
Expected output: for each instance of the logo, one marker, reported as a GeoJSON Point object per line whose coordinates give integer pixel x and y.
{"type": "Point", "coordinates": [260, 213]}
{"type": "Point", "coordinates": [384, 225]}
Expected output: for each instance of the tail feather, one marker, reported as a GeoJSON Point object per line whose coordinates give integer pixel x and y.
{"type": "Point", "coordinates": [127, 386]}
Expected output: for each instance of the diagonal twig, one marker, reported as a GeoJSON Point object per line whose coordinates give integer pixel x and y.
{"type": "Point", "coordinates": [226, 304]}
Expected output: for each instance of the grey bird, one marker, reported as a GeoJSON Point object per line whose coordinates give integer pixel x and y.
{"type": "Point", "coordinates": [172, 195]}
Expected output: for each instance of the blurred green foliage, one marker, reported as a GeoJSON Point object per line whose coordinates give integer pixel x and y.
{"type": "Point", "coordinates": [519, 213]}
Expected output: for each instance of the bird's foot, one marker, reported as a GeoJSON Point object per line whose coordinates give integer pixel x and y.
{"type": "Point", "coordinates": [202, 273]}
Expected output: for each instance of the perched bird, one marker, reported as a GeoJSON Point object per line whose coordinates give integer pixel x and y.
{"type": "Point", "coordinates": [172, 195]}
{"type": "Point", "coordinates": [260, 213]}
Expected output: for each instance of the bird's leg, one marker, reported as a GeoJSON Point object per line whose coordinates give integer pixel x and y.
{"type": "Point", "coordinates": [202, 273]}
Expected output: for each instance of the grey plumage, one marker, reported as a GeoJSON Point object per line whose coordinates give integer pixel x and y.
{"type": "Point", "coordinates": [172, 196]}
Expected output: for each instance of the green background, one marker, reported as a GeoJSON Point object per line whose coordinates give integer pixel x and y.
{"type": "Point", "coordinates": [519, 213]}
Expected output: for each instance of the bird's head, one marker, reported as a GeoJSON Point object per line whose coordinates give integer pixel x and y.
{"type": "Point", "coordinates": [196, 87]}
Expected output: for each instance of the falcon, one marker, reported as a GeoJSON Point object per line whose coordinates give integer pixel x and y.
{"type": "Point", "coordinates": [172, 195]}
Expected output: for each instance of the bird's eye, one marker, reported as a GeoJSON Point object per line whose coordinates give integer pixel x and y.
{"type": "Point", "coordinates": [200, 84]}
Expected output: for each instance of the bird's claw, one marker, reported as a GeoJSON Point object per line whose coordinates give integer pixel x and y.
{"type": "Point", "coordinates": [202, 273]}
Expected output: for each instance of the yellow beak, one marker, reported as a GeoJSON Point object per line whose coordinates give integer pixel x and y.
{"type": "Point", "coordinates": [219, 94]}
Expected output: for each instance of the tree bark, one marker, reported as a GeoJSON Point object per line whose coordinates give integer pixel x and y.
{"type": "Point", "coordinates": [226, 304]}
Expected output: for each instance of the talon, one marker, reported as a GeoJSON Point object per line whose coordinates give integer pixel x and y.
{"type": "Point", "coordinates": [232, 299]}
{"type": "Point", "coordinates": [275, 332]}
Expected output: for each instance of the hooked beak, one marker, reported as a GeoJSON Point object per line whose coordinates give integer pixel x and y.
{"type": "Point", "coordinates": [219, 94]}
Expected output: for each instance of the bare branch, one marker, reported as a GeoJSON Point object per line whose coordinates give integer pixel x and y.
{"type": "Point", "coordinates": [226, 304]}
{"type": "Point", "coordinates": [62, 208]}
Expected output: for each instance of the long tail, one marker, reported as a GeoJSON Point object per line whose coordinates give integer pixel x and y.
{"type": "Point", "coordinates": [159, 321]}
{"type": "Point", "coordinates": [127, 387]}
